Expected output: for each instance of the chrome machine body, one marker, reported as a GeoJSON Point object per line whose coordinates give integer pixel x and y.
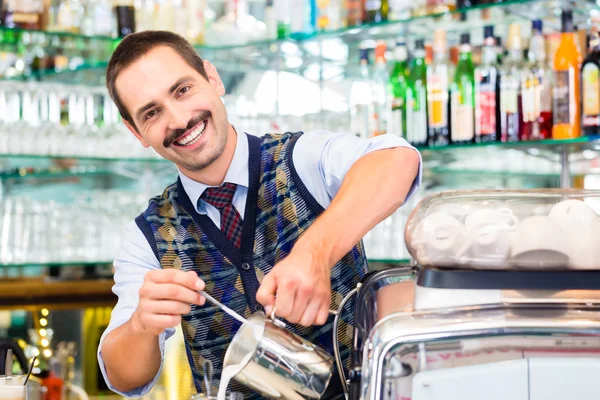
{"type": "Point", "coordinates": [522, 324]}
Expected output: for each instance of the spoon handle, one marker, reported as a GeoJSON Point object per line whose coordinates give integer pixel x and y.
{"type": "Point", "coordinates": [8, 363]}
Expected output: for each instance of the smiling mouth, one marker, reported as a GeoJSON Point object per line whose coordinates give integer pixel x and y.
{"type": "Point", "coordinates": [192, 136]}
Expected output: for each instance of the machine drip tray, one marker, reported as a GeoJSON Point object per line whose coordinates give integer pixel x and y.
{"type": "Point", "coordinates": [508, 279]}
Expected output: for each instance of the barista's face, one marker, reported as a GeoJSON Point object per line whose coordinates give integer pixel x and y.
{"type": "Point", "coordinates": [176, 110]}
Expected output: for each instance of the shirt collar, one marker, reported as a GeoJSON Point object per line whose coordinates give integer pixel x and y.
{"type": "Point", "coordinates": [236, 173]}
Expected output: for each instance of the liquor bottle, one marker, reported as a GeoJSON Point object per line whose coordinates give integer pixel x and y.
{"type": "Point", "coordinates": [487, 91]}
{"type": "Point", "coordinates": [590, 84]}
{"type": "Point", "coordinates": [462, 95]}
{"type": "Point", "coordinates": [303, 17]}
{"type": "Point", "coordinates": [361, 104]}
{"type": "Point", "coordinates": [510, 87]}
{"type": "Point", "coordinates": [416, 98]}
{"type": "Point", "coordinates": [354, 11]}
{"type": "Point", "coordinates": [328, 15]}
{"type": "Point", "coordinates": [437, 92]}
{"type": "Point", "coordinates": [536, 94]}
{"type": "Point", "coordinates": [398, 85]}
{"type": "Point", "coordinates": [566, 92]}
{"type": "Point", "coordinates": [284, 28]}
{"type": "Point", "coordinates": [196, 21]}
{"type": "Point", "coordinates": [375, 11]}
{"type": "Point", "coordinates": [381, 98]}
{"type": "Point", "coordinates": [25, 15]}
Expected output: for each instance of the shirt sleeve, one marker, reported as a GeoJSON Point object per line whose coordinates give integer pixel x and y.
{"type": "Point", "coordinates": [322, 160]}
{"type": "Point", "coordinates": [134, 260]}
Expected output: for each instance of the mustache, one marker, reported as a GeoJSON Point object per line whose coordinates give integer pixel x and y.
{"type": "Point", "coordinates": [177, 133]}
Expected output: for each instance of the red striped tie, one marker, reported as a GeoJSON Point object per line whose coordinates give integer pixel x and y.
{"type": "Point", "coordinates": [231, 222]}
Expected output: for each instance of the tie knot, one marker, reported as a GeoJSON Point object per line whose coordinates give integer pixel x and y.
{"type": "Point", "coordinates": [220, 197]}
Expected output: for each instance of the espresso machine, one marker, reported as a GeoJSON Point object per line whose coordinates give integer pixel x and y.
{"type": "Point", "coordinates": [502, 301]}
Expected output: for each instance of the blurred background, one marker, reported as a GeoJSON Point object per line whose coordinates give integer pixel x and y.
{"type": "Point", "coordinates": [495, 94]}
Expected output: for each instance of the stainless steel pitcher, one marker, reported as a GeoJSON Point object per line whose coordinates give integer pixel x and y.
{"type": "Point", "coordinates": [283, 365]}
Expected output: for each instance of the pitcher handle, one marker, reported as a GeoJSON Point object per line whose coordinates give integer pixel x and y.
{"type": "Point", "coordinates": [336, 344]}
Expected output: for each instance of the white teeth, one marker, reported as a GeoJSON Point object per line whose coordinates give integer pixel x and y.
{"type": "Point", "coordinates": [192, 137]}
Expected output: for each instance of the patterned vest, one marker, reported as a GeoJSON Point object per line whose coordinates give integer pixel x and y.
{"type": "Point", "coordinates": [278, 210]}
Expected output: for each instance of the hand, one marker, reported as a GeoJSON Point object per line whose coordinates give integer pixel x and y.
{"type": "Point", "coordinates": [300, 288]}
{"type": "Point", "coordinates": [165, 296]}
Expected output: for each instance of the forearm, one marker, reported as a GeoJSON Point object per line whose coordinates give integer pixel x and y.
{"type": "Point", "coordinates": [132, 359]}
{"type": "Point", "coordinates": [374, 187]}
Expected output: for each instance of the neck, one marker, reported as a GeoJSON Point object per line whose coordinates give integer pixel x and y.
{"type": "Point", "coordinates": [214, 174]}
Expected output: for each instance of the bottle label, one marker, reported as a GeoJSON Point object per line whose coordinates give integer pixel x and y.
{"type": "Point", "coordinates": [395, 124]}
{"type": "Point", "coordinates": [564, 97]}
{"type": "Point", "coordinates": [509, 95]}
{"type": "Point", "coordinates": [530, 98]}
{"type": "Point", "coordinates": [416, 116]}
{"type": "Point", "coordinates": [591, 95]}
{"type": "Point", "coordinates": [462, 118]}
{"type": "Point", "coordinates": [486, 110]}
{"type": "Point", "coordinates": [437, 99]}
{"type": "Point", "coordinates": [354, 12]}
{"type": "Point", "coordinates": [372, 5]}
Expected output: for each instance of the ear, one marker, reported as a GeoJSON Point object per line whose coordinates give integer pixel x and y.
{"type": "Point", "coordinates": [135, 132]}
{"type": "Point", "coordinates": [214, 78]}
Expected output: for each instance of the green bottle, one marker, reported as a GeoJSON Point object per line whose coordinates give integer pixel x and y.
{"type": "Point", "coordinates": [416, 98]}
{"type": "Point", "coordinates": [397, 88]}
{"type": "Point", "coordinates": [462, 95]}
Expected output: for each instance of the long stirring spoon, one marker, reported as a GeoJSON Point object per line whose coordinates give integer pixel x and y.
{"type": "Point", "coordinates": [223, 307]}
{"type": "Point", "coordinates": [8, 363]}
{"type": "Point", "coordinates": [30, 369]}
{"type": "Point", "coordinates": [208, 376]}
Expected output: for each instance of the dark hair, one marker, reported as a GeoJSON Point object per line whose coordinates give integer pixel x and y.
{"type": "Point", "coordinates": [135, 46]}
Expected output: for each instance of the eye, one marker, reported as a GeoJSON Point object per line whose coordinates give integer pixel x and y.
{"type": "Point", "coordinates": [184, 90]}
{"type": "Point", "coordinates": [150, 114]}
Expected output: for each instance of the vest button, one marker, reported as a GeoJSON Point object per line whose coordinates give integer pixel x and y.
{"type": "Point", "coordinates": [257, 307]}
{"type": "Point", "coordinates": [246, 267]}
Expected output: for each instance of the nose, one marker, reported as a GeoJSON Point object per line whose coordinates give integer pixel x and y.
{"type": "Point", "coordinates": [178, 117]}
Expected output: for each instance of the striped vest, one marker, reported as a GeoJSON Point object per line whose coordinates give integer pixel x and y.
{"type": "Point", "coordinates": [278, 210]}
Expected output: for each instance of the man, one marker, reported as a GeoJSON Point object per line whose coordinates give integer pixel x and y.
{"type": "Point", "coordinates": [265, 222]}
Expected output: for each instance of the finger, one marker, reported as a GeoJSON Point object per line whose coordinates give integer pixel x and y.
{"type": "Point", "coordinates": [188, 279]}
{"type": "Point", "coordinates": [167, 307]}
{"type": "Point", "coordinates": [171, 291]}
{"type": "Point", "coordinates": [266, 292]}
{"type": "Point", "coordinates": [310, 314]}
{"type": "Point", "coordinates": [161, 321]}
{"type": "Point", "coordinates": [301, 301]}
{"type": "Point", "coordinates": [284, 300]}
{"type": "Point", "coordinates": [322, 315]}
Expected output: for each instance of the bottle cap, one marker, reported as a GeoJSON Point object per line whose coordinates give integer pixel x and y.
{"type": "Point", "coordinates": [536, 25]}
{"type": "Point", "coordinates": [567, 21]}
{"type": "Point", "coordinates": [488, 31]}
{"type": "Point", "coordinates": [364, 55]}
{"type": "Point", "coordinates": [419, 44]}
{"type": "Point", "coordinates": [465, 38]}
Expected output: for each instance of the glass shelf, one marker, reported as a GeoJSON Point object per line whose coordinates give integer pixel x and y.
{"type": "Point", "coordinates": [23, 159]}
{"type": "Point", "coordinates": [70, 264]}
{"type": "Point", "coordinates": [324, 54]}
{"type": "Point", "coordinates": [26, 173]}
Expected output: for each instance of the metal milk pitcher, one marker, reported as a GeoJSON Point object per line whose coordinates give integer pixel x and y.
{"type": "Point", "coordinates": [278, 363]}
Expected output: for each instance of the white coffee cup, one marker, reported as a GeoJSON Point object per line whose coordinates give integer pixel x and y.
{"type": "Point", "coordinates": [573, 213]}
{"type": "Point", "coordinates": [489, 231]}
{"type": "Point", "coordinates": [441, 240]}
{"type": "Point", "coordinates": [584, 251]}
{"type": "Point", "coordinates": [539, 242]}
{"type": "Point", "coordinates": [12, 388]}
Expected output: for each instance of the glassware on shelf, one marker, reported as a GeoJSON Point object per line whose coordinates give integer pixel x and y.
{"type": "Point", "coordinates": [88, 230]}
{"type": "Point", "coordinates": [66, 121]}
